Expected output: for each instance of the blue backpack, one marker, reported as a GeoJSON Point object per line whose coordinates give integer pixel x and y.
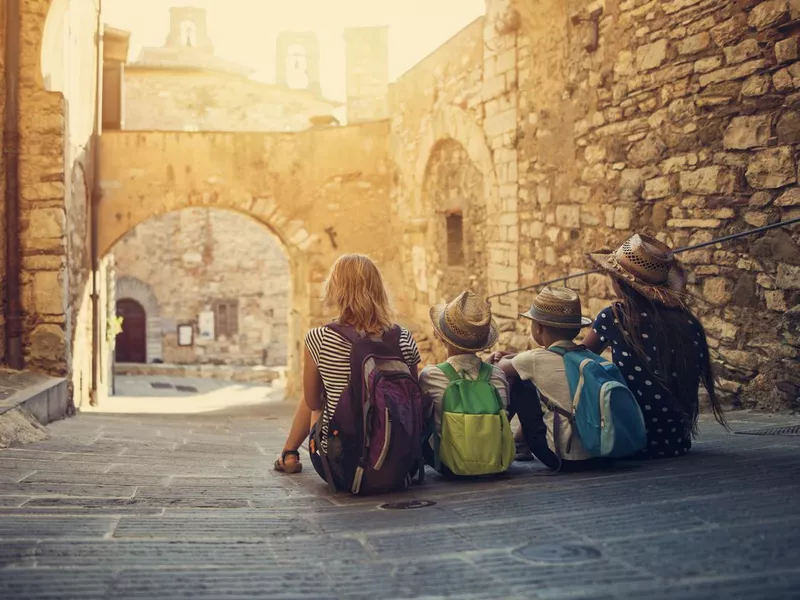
{"type": "Point", "coordinates": [606, 415]}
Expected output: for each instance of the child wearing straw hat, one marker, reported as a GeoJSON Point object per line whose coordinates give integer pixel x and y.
{"type": "Point", "coordinates": [658, 344]}
{"type": "Point", "coordinates": [539, 381]}
{"type": "Point", "coordinates": [465, 327]}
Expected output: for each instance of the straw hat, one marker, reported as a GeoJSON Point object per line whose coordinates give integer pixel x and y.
{"type": "Point", "coordinates": [465, 323]}
{"type": "Point", "coordinates": [649, 266]}
{"type": "Point", "coordinates": [557, 307]}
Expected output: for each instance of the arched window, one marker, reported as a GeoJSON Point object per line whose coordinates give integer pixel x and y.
{"type": "Point", "coordinates": [188, 34]}
{"type": "Point", "coordinates": [297, 67]}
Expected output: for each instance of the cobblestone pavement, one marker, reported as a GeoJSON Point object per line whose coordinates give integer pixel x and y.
{"type": "Point", "coordinates": [166, 506]}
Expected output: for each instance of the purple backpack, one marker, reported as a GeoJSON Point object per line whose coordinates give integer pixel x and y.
{"type": "Point", "coordinates": [374, 442]}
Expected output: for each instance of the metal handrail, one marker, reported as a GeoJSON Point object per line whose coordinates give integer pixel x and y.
{"type": "Point", "coordinates": [726, 238]}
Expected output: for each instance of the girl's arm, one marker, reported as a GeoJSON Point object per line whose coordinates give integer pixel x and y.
{"type": "Point", "coordinates": [312, 384]}
{"type": "Point", "coordinates": [593, 342]}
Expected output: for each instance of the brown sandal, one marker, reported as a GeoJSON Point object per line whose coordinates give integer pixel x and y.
{"type": "Point", "coordinates": [295, 467]}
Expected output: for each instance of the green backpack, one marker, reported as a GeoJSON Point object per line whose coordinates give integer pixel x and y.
{"type": "Point", "coordinates": [476, 436]}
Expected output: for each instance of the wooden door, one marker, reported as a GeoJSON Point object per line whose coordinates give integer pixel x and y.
{"type": "Point", "coordinates": [131, 344]}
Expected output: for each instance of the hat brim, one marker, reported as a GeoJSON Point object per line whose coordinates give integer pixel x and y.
{"type": "Point", "coordinates": [671, 294]}
{"type": "Point", "coordinates": [585, 322]}
{"type": "Point", "coordinates": [436, 313]}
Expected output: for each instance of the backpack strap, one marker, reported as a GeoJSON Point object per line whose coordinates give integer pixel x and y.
{"type": "Point", "coordinates": [486, 372]}
{"type": "Point", "coordinates": [562, 350]}
{"type": "Point", "coordinates": [449, 371]}
{"type": "Point", "coordinates": [347, 332]}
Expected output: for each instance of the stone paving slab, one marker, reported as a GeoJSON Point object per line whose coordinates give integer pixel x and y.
{"type": "Point", "coordinates": [170, 506]}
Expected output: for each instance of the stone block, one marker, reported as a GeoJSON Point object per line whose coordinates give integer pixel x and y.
{"type": "Point", "coordinates": [776, 300]}
{"type": "Point", "coordinates": [739, 53]}
{"type": "Point", "coordinates": [768, 14]}
{"type": "Point", "coordinates": [786, 50]}
{"type": "Point", "coordinates": [694, 223]}
{"type": "Point", "coordinates": [790, 197]}
{"type": "Point", "coordinates": [651, 56]}
{"type": "Point", "coordinates": [782, 80]}
{"type": "Point", "coordinates": [622, 217]}
{"type": "Point", "coordinates": [772, 168]}
{"type": "Point", "coordinates": [788, 128]}
{"type": "Point", "coordinates": [760, 199]}
{"type": "Point", "coordinates": [694, 44]}
{"type": "Point", "coordinates": [720, 329]}
{"type": "Point", "coordinates": [631, 183]}
{"type": "Point", "coordinates": [788, 277]}
{"type": "Point", "coordinates": [660, 187]}
{"type": "Point", "coordinates": [758, 219]}
{"type": "Point", "coordinates": [48, 342]}
{"type": "Point", "coordinates": [748, 132]}
{"type": "Point", "coordinates": [647, 151]}
{"type": "Point", "coordinates": [757, 85]}
{"type": "Point", "coordinates": [729, 31]}
{"type": "Point", "coordinates": [707, 181]}
{"type": "Point", "coordinates": [732, 73]}
{"type": "Point", "coordinates": [47, 223]}
{"type": "Point", "coordinates": [501, 123]}
{"type": "Point", "coordinates": [568, 216]}
{"type": "Point", "coordinates": [708, 64]}
{"type": "Point", "coordinates": [48, 293]}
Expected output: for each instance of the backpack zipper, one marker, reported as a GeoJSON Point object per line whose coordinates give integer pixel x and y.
{"type": "Point", "coordinates": [387, 438]}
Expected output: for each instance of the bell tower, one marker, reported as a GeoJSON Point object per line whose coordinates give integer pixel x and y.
{"type": "Point", "coordinates": [188, 30]}
{"type": "Point", "coordinates": [298, 61]}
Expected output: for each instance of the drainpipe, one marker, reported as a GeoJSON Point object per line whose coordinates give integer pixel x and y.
{"type": "Point", "coordinates": [94, 204]}
{"type": "Point", "coordinates": [13, 304]}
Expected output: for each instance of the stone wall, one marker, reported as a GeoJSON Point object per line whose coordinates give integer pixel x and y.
{"type": "Point", "coordinates": [671, 118]}
{"type": "Point", "coordinates": [203, 256]}
{"type": "Point", "coordinates": [321, 192]}
{"type": "Point", "coordinates": [186, 100]}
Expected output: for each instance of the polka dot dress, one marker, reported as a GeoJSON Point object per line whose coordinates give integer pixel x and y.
{"type": "Point", "coordinates": [666, 436]}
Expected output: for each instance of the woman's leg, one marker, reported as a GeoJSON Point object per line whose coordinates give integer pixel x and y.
{"type": "Point", "coordinates": [304, 419]}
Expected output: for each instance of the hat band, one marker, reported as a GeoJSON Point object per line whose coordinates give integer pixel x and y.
{"type": "Point", "coordinates": [567, 320]}
{"type": "Point", "coordinates": [457, 339]}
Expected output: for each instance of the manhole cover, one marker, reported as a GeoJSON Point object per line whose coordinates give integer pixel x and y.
{"type": "Point", "coordinates": [161, 386]}
{"type": "Point", "coordinates": [558, 554]}
{"type": "Point", "coordinates": [787, 430]}
{"type": "Point", "coordinates": [408, 505]}
{"type": "Point", "coordinates": [185, 388]}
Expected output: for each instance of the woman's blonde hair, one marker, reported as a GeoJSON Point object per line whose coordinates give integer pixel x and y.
{"type": "Point", "coordinates": [355, 288]}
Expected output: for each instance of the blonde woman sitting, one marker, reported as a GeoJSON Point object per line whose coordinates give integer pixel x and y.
{"type": "Point", "coordinates": [356, 290]}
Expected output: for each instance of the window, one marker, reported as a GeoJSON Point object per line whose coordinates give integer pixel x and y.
{"type": "Point", "coordinates": [188, 34]}
{"type": "Point", "coordinates": [455, 240]}
{"type": "Point", "coordinates": [297, 67]}
{"type": "Point", "coordinates": [226, 317]}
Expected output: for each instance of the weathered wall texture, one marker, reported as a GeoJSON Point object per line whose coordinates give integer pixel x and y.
{"type": "Point", "coordinates": [321, 192]}
{"type": "Point", "coordinates": [203, 256]}
{"type": "Point", "coordinates": [186, 100]}
{"type": "Point", "coordinates": [678, 120]}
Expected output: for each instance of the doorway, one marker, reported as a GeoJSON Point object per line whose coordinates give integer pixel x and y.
{"type": "Point", "coordinates": [131, 343]}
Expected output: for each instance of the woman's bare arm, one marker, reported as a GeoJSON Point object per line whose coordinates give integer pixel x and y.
{"type": "Point", "coordinates": [312, 384]}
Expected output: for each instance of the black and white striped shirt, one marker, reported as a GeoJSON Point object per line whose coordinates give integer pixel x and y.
{"type": "Point", "coordinates": [331, 354]}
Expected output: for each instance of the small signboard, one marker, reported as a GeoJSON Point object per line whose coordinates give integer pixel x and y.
{"type": "Point", "coordinates": [185, 335]}
{"type": "Point", "coordinates": [205, 321]}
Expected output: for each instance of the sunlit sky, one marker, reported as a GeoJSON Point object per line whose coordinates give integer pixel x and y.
{"type": "Point", "coordinates": [245, 30]}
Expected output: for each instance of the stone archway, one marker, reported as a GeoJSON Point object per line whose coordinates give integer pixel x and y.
{"type": "Point", "coordinates": [453, 123]}
{"type": "Point", "coordinates": [131, 288]}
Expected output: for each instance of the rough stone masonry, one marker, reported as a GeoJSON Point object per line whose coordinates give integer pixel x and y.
{"type": "Point", "coordinates": [577, 123]}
